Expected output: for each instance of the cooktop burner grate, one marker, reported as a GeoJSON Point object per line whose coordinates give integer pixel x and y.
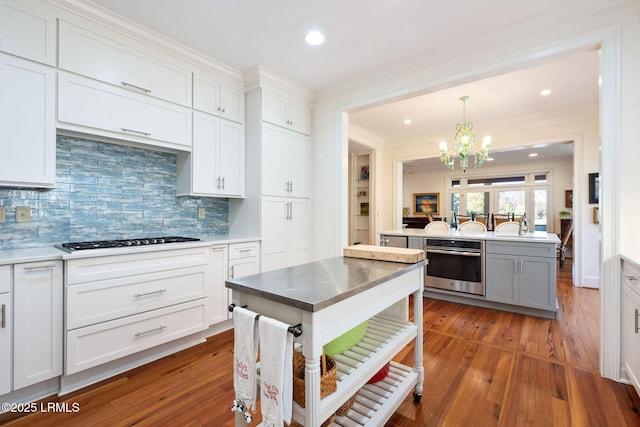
{"type": "Point", "coordinates": [103, 244]}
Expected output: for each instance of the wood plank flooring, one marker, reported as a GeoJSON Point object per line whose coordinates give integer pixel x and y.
{"type": "Point", "coordinates": [482, 368]}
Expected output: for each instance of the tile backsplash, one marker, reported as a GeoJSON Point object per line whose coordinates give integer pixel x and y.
{"type": "Point", "coordinates": [108, 191]}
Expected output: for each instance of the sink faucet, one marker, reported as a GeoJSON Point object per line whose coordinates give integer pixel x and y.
{"type": "Point", "coordinates": [523, 225]}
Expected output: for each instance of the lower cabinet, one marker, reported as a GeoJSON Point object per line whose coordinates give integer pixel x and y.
{"type": "Point", "coordinates": [6, 346]}
{"type": "Point", "coordinates": [631, 323]}
{"type": "Point", "coordinates": [285, 235]}
{"type": "Point", "coordinates": [37, 327]}
{"type": "Point", "coordinates": [244, 260]}
{"type": "Point", "coordinates": [217, 293]}
{"type": "Point", "coordinates": [512, 277]}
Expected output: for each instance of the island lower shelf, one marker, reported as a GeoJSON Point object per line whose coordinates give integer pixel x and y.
{"type": "Point", "coordinates": [385, 337]}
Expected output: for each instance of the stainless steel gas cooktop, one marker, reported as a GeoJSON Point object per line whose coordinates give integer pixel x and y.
{"type": "Point", "coordinates": [103, 244]}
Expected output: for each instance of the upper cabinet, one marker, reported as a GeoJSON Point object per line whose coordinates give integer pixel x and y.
{"type": "Point", "coordinates": [108, 56]}
{"type": "Point", "coordinates": [286, 162]}
{"type": "Point", "coordinates": [27, 123]}
{"type": "Point", "coordinates": [28, 30]}
{"type": "Point", "coordinates": [215, 96]}
{"type": "Point", "coordinates": [285, 113]}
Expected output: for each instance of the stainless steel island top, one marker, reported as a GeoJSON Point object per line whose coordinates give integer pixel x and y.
{"type": "Point", "coordinates": [317, 285]}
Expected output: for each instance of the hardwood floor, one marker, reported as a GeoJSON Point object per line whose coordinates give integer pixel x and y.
{"type": "Point", "coordinates": [482, 368]}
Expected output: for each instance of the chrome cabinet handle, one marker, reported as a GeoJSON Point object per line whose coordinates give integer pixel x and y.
{"type": "Point", "coordinates": [129, 85]}
{"type": "Point", "coordinates": [135, 131]}
{"type": "Point", "coordinates": [4, 316]}
{"type": "Point", "coordinates": [159, 291]}
{"type": "Point", "coordinates": [232, 273]}
{"type": "Point", "coordinates": [521, 266]}
{"type": "Point", "coordinates": [245, 250]}
{"type": "Point", "coordinates": [223, 182]}
{"type": "Point", "coordinates": [159, 328]}
{"type": "Point", "coordinates": [40, 267]}
{"type": "Point", "coordinates": [636, 312]}
{"type": "Point", "coordinates": [631, 278]}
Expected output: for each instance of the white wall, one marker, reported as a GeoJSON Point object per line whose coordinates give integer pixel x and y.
{"type": "Point", "coordinates": [618, 26]}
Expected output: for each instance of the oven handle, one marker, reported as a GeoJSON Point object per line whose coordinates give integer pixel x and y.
{"type": "Point", "coordinates": [438, 251]}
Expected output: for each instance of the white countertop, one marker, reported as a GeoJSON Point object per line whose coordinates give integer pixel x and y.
{"type": "Point", "coordinates": [49, 253]}
{"type": "Point", "coordinates": [533, 237]}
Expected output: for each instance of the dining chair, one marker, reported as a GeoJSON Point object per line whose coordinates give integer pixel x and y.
{"type": "Point", "coordinates": [508, 228]}
{"type": "Point", "coordinates": [562, 249]}
{"type": "Point", "coordinates": [437, 227]}
{"type": "Point", "coordinates": [459, 219]}
{"type": "Point", "coordinates": [498, 218]}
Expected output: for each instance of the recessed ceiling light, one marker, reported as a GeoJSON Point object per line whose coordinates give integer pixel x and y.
{"type": "Point", "coordinates": [545, 92]}
{"type": "Point", "coordinates": [533, 155]}
{"type": "Point", "coordinates": [407, 121]}
{"type": "Point", "coordinates": [314, 38]}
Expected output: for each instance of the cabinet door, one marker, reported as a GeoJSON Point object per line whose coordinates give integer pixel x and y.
{"type": "Point", "coordinates": [231, 104]}
{"type": "Point", "coordinates": [298, 232]}
{"type": "Point", "coordinates": [217, 274]}
{"type": "Point", "coordinates": [28, 29]}
{"type": "Point", "coordinates": [299, 165]}
{"type": "Point", "coordinates": [28, 136]}
{"type": "Point", "coordinates": [274, 161]}
{"type": "Point", "coordinates": [631, 326]}
{"type": "Point", "coordinates": [230, 159]}
{"type": "Point", "coordinates": [5, 343]}
{"type": "Point", "coordinates": [500, 278]}
{"type": "Point", "coordinates": [299, 118]}
{"type": "Point", "coordinates": [212, 96]}
{"type": "Point", "coordinates": [105, 55]}
{"type": "Point", "coordinates": [274, 109]}
{"type": "Point", "coordinates": [111, 111]}
{"type": "Point", "coordinates": [536, 282]}
{"type": "Point", "coordinates": [206, 131]}
{"type": "Point", "coordinates": [37, 352]}
{"type": "Point", "coordinates": [275, 211]}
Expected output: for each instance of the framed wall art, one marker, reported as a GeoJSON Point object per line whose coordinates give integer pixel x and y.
{"type": "Point", "coordinates": [424, 203]}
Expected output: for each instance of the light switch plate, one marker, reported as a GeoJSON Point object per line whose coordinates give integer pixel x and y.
{"type": "Point", "coordinates": [3, 214]}
{"type": "Point", "coordinates": [23, 214]}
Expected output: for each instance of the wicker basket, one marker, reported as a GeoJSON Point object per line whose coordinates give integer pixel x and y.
{"type": "Point", "coordinates": [324, 424]}
{"type": "Point", "coordinates": [346, 406]}
{"type": "Point", "coordinates": [328, 381]}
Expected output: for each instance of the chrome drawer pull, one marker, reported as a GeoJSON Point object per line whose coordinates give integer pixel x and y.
{"type": "Point", "coordinates": [135, 131]}
{"type": "Point", "coordinates": [40, 267]}
{"type": "Point", "coordinates": [246, 250]}
{"type": "Point", "coordinates": [637, 315]}
{"type": "Point", "coordinates": [159, 291]}
{"type": "Point", "coordinates": [125, 84]}
{"type": "Point", "coordinates": [632, 278]}
{"type": "Point", "coordinates": [159, 328]}
{"type": "Point", "coordinates": [4, 316]}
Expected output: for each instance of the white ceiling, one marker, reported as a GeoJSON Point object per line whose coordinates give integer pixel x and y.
{"type": "Point", "coordinates": [366, 38]}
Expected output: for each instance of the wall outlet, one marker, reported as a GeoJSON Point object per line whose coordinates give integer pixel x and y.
{"type": "Point", "coordinates": [23, 214]}
{"type": "Point", "coordinates": [200, 213]}
{"type": "Point", "coordinates": [3, 214]}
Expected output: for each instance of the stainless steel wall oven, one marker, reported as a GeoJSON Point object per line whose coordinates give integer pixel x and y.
{"type": "Point", "coordinates": [455, 265]}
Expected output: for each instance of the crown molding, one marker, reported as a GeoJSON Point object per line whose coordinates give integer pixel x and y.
{"type": "Point", "coordinates": [261, 77]}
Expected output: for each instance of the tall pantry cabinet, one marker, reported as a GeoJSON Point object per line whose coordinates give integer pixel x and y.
{"type": "Point", "coordinates": [278, 171]}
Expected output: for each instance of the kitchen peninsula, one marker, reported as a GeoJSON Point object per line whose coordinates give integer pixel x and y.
{"type": "Point", "coordinates": [330, 297]}
{"type": "Point", "coordinates": [514, 273]}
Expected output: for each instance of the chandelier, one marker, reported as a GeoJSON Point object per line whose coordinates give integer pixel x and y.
{"type": "Point", "coordinates": [465, 146]}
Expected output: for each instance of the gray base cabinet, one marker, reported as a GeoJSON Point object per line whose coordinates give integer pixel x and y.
{"type": "Point", "coordinates": [521, 274]}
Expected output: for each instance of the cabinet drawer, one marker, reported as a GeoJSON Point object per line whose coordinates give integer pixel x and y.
{"type": "Point", "coordinates": [112, 58]}
{"type": "Point", "coordinates": [121, 266]}
{"type": "Point", "coordinates": [109, 111]}
{"type": "Point", "coordinates": [517, 248]}
{"type": "Point", "coordinates": [111, 299]}
{"type": "Point", "coordinates": [244, 250]}
{"type": "Point", "coordinates": [94, 345]}
{"type": "Point", "coordinates": [5, 278]}
{"type": "Point", "coordinates": [631, 276]}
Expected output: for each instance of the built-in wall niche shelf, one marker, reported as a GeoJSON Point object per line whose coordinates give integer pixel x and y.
{"type": "Point", "coordinates": [361, 201]}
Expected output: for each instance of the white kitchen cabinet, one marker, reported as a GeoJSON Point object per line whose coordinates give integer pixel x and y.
{"type": "Point", "coordinates": [121, 304]}
{"type": "Point", "coordinates": [28, 138]}
{"type": "Point", "coordinates": [631, 323]}
{"type": "Point", "coordinates": [217, 293]}
{"type": "Point", "coordinates": [244, 260]}
{"type": "Point", "coordinates": [285, 232]}
{"type": "Point", "coordinates": [214, 96]}
{"type": "Point", "coordinates": [286, 113]}
{"type": "Point", "coordinates": [28, 30]}
{"type": "Point", "coordinates": [90, 106]}
{"type": "Point", "coordinates": [521, 274]}
{"type": "Point", "coordinates": [38, 330]}
{"type": "Point", "coordinates": [215, 166]}
{"type": "Point", "coordinates": [286, 162]}
{"type": "Point", "coordinates": [6, 324]}
{"type": "Point", "coordinates": [102, 54]}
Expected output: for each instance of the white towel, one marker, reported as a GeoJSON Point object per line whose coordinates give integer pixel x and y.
{"type": "Point", "coordinates": [245, 353]}
{"type": "Point", "coordinates": [276, 372]}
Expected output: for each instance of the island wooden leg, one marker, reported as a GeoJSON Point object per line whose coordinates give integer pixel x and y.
{"type": "Point", "coordinates": [312, 389]}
